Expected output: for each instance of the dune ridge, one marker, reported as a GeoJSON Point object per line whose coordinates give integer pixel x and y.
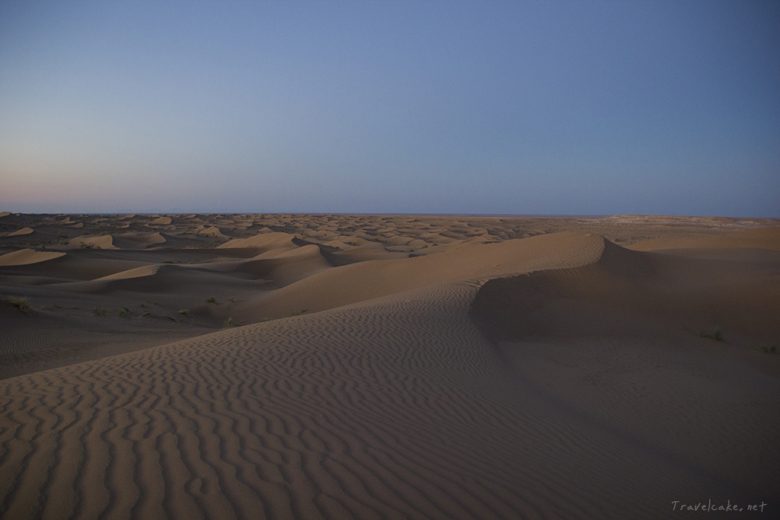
{"type": "Point", "coordinates": [21, 232]}
{"type": "Point", "coordinates": [28, 257]}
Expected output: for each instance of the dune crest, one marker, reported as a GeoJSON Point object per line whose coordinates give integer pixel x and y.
{"type": "Point", "coordinates": [28, 257]}
{"type": "Point", "coordinates": [21, 232]}
{"type": "Point", "coordinates": [136, 272]}
{"type": "Point", "coordinates": [261, 242]}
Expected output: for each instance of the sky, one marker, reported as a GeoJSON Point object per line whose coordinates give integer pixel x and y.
{"type": "Point", "coordinates": [522, 107]}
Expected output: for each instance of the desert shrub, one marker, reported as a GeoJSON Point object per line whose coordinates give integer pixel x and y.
{"type": "Point", "coordinates": [20, 304]}
{"type": "Point", "coordinates": [714, 334]}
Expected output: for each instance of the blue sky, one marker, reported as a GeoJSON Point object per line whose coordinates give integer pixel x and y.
{"type": "Point", "coordinates": [569, 107]}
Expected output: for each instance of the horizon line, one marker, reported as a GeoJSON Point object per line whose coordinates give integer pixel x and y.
{"type": "Point", "coordinates": [400, 213]}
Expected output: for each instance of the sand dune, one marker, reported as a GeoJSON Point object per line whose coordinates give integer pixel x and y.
{"type": "Point", "coordinates": [27, 257]}
{"type": "Point", "coordinates": [632, 293]}
{"type": "Point", "coordinates": [673, 337]}
{"type": "Point", "coordinates": [93, 242]}
{"type": "Point", "coordinates": [387, 367]}
{"type": "Point", "coordinates": [161, 221]}
{"type": "Point", "coordinates": [74, 265]}
{"type": "Point", "coordinates": [18, 233]}
{"type": "Point", "coordinates": [136, 272]}
{"type": "Point", "coordinates": [138, 240]}
{"type": "Point", "coordinates": [370, 279]}
{"type": "Point", "coordinates": [284, 266]}
{"type": "Point", "coordinates": [209, 231]}
{"type": "Point", "coordinates": [416, 416]}
{"type": "Point", "coordinates": [156, 280]}
{"type": "Point", "coordinates": [262, 242]}
{"type": "Point", "coordinates": [287, 258]}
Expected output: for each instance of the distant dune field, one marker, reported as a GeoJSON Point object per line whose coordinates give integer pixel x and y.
{"type": "Point", "coordinates": [338, 366]}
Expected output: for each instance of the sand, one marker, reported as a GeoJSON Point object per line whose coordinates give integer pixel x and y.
{"type": "Point", "coordinates": [335, 366]}
{"type": "Point", "coordinates": [93, 242]}
{"type": "Point", "coordinates": [18, 233]}
{"type": "Point", "coordinates": [27, 257]}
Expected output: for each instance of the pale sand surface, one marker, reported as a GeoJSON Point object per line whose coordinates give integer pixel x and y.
{"type": "Point", "coordinates": [337, 366]}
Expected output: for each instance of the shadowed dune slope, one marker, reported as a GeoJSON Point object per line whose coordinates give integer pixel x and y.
{"type": "Point", "coordinates": [285, 266]}
{"type": "Point", "coordinates": [663, 350]}
{"type": "Point", "coordinates": [281, 266]}
{"type": "Point", "coordinates": [634, 293]}
{"type": "Point", "coordinates": [66, 266]}
{"type": "Point", "coordinates": [156, 279]}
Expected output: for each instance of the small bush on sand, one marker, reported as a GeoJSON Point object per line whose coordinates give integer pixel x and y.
{"type": "Point", "coordinates": [124, 312]}
{"type": "Point", "coordinates": [100, 312]}
{"type": "Point", "coordinates": [714, 334]}
{"type": "Point", "coordinates": [20, 304]}
{"type": "Point", "coordinates": [768, 349]}
{"type": "Point", "coordinates": [185, 312]}
{"type": "Point", "coordinates": [229, 323]}
{"type": "Point", "coordinates": [211, 300]}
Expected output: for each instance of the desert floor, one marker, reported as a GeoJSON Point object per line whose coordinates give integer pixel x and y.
{"type": "Point", "coordinates": [387, 366]}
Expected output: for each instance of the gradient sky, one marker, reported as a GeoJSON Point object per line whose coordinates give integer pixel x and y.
{"type": "Point", "coordinates": [568, 107]}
